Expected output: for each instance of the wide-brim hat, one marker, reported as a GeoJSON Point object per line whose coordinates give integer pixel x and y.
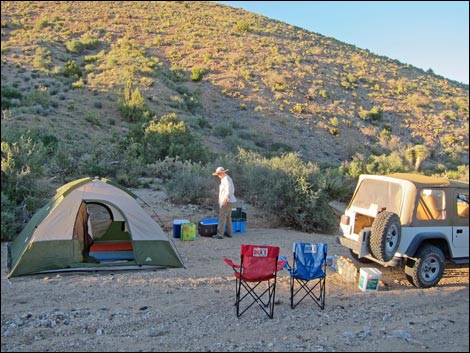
{"type": "Point", "coordinates": [220, 170]}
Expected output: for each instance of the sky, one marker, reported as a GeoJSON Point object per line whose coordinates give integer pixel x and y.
{"type": "Point", "coordinates": [425, 34]}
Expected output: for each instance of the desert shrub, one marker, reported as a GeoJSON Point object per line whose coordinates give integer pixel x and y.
{"type": "Point", "coordinates": [384, 164]}
{"type": "Point", "coordinates": [222, 130]}
{"type": "Point", "coordinates": [37, 97]}
{"type": "Point", "coordinates": [78, 84]}
{"type": "Point", "coordinates": [461, 173]}
{"type": "Point", "coordinates": [279, 148]}
{"type": "Point", "coordinates": [23, 161]}
{"type": "Point", "coordinates": [63, 164]}
{"type": "Point", "coordinates": [418, 100]}
{"type": "Point", "coordinates": [42, 59]}
{"type": "Point", "coordinates": [203, 122]}
{"type": "Point", "coordinates": [285, 186]}
{"type": "Point", "coordinates": [88, 42]}
{"type": "Point", "coordinates": [75, 46]}
{"type": "Point", "coordinates": [373, 164]}
{"type": "Point", "coordinates": [170, 137]}
{"type": "Point", "coordinates": [356, 167]}
{"type": "Point", "coordinates": [10, 97]}
{"type": "Point", "coordinates": [191, 184]}
{"type": "Point", "coordinates": [166, 169]}
{"type": "Point", "coordinates": [374, 114]}
{"type": "Point", "coordinates": [10, 225]}
{"type": "Point", "coordinates": [90, 59]}
{"type": "Point", "coordinates": [79, 46]}
{"type": "Point", "coordinates": [334, 121]}
{"type": "Point", "coordinates": [197, 73]}
{"type": "Point", "coordinates": [334, 131]}
{"type": "Point", "coordinates": [323, 93]}
{"type": "Point", "coordinates": [297, 108]}
{"type": "Point", "coordinates": [132, 106]}
{"type": "Point", "coordinates": [102, 160]}
{"type": "Point", "coordinates": [276, 81]}
{"type": "Point", "coordinates": [334, 183]}
{"type": "Point", "coordinates": [71, 69]}
{"type": "Point", "coordinates": [242, 26]}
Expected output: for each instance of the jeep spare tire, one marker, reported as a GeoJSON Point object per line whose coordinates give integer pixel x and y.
{"type": "Point", "coordinates": [385, 236]}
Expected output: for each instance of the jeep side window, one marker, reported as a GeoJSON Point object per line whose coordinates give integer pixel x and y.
{"type": "Point", "coordinates": [431, 205]}
{"type": "Point", "coordinates": [462, 205]}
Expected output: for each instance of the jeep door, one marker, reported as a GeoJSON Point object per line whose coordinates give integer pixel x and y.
{"type": "Point", "coordinates": [460, 232]}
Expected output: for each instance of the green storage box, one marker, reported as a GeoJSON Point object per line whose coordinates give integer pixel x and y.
{"type": "Point", "coordinates": [238, 215]}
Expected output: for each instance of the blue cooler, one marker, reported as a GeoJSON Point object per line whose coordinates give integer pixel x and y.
{"type": "Point", "coordinates": [177, 227]}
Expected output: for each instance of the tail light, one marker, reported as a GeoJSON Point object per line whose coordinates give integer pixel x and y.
{"type": "Point", "coordinates": [345, 220]}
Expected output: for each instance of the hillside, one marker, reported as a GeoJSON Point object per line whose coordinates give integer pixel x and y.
{"type": "Point", "coordinates": [236, 78]}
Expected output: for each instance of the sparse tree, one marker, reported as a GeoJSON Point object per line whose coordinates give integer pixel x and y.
{"type": "Point", "coordinates": [416, 155]}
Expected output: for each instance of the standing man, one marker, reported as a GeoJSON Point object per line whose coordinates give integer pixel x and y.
{"type": "Point", "coordinates": [226, 202]}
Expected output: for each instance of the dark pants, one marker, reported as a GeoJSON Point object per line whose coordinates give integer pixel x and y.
{"type": "Point", "coordinates": [225, 219]}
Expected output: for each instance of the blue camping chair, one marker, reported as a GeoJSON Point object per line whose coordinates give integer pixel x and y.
{"type": "Point", "coordinates": [308, 273]}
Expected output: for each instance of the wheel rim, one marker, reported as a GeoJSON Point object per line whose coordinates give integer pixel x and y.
{"type": "Point", "coordinates": [391, 239]}
{"type": "Point", "coordinates": [430, 269]}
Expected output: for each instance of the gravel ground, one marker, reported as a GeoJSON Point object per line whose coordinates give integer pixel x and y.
{"type": "Point", "coordinates": [191, 309]}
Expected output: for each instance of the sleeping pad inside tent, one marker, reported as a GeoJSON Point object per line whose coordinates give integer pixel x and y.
{"type": "Point", "coordinates": [90, 224]}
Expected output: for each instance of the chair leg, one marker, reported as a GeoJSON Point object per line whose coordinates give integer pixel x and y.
{"type": "Point", "coordinates": [292, 292]}
{"type": "Point", "coordinates": [319, 285]}
{"type": "Point", "coordinates": [266, 304]}
{"type": "Point", "coordinates": [237, 297]}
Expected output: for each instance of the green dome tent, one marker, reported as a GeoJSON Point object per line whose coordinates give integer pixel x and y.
{"type": "Point", "coordinates": [88, 212]}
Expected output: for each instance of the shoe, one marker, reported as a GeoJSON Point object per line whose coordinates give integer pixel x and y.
{"type": "Point", "coordinates": [217, 236]}
{"type": "Point", "coordinates": [228, 235]}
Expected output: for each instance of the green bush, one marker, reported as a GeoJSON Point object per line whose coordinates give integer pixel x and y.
{"type": "Point", "coordinates": [242, 26]}
{"type": "Point", "coordinates": [23, 163]}
{"type": "Point", "coordinates": [75, 46]}
{"type": "Point", "coordinates": [192, 184]}
{"type": "Point", "coordinates": [132, 106]}
{"type": "Point", "coordinates": [10, 223]}
{"type": "Point", "coordinates": [10, 97]}
{"type": "Point", "coordinates": [170, 137]}
{"type": "Point", "coordinates": [71, 69]}
{"type": "Point", "coordinates": [37, 97]}
{"type": "Point", "coordinates": [375, 114]}
{"type": "Point", "coordinates": [222, 130]}
{"type": "Point", "coordinates": [287, 187]}
{"type": "Point", "coordinates": [197, 73]}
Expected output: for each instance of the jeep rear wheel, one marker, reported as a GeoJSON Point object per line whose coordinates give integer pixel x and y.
{"type": "Point", "coordinates": [426, 271]}
{"type": "Point", "coordinates": [385, 236]}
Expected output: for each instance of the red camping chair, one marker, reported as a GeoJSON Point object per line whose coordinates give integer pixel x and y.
{"type": "Point", "coordinates": [255, 276]}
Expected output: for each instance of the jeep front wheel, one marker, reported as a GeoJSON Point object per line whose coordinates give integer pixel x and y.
{"type": "Point", "coordinates": [426, 271]}
{"type": "Point", "coordinates": [385, 236]}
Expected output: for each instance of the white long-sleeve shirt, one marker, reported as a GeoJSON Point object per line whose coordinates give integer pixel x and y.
{"type": "Point", "coordinates": [226, 190]}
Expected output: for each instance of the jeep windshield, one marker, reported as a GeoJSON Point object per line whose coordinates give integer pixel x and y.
{"type": "Point", "coordinates": [374, 194]}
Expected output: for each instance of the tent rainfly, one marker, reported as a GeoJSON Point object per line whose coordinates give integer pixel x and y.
{"type": "Point", "coordinates": [90, 224]}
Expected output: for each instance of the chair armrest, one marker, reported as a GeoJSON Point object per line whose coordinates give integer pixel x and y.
{"type": "Point", "coordinates": [230, 263]}
{"type": "Point", "coordinates": [282, 261]}
{"type": "Point", "coordinates": [281, 264]}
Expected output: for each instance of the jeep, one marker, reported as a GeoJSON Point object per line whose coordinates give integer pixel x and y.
{"type": "Point", "coordinates": [408, 219]}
